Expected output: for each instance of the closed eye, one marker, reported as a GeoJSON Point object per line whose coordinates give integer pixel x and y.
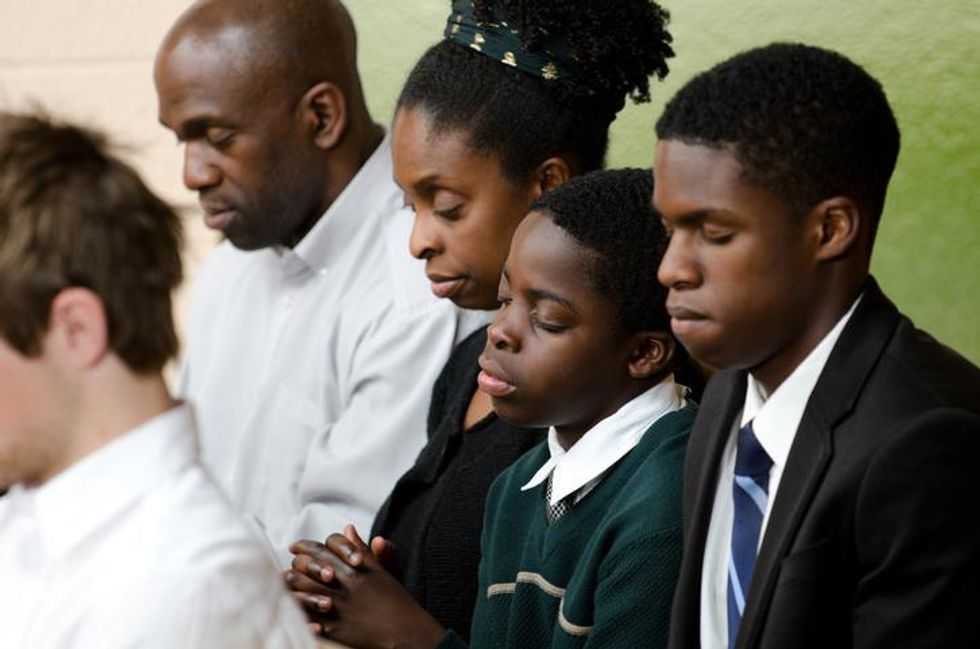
{"type": "Point", "coordinates": [449, 214]}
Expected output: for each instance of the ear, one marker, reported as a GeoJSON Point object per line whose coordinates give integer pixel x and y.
{"type": "Point", "coordinates": [549, 174]}
{"type": "Point", "coordinates": [652, 352]}
{"type": "Point", "coordinates": [838, 221]}
{"type": "Point", "coordinates": [78, 327]}
{"type": "Point", "coordinates": [324, 110]}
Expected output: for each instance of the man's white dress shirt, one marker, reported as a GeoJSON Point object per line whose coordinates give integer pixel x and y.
{"type": "Point", "coordinates": [135, 546]}
{"type": "Point", "coordinates": [311, 368]}
{"type": "Point", "coordinates": [774, 418]}
{"type": "Point", "coordinates": [579, 469]}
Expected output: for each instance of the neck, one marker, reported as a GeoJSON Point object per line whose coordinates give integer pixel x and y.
{"type": "Point", "coordinates": [569, 434]}
{"type": "Point", "coordinates": [781, 365]}
{"type": "Point", "coordinates": [360, 142]}
{"type": "Point", "coordinates": [103, 409]}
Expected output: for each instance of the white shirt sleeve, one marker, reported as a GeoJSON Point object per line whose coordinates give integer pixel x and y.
{"type": "Point", "coordinates": [192, 613]}
{"type": "Point", "coordinates": [354, 463]}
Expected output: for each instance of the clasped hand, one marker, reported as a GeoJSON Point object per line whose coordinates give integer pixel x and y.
{"type": "Point", "coordinates": [349, 595]}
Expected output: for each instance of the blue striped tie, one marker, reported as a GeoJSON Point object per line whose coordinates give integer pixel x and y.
{"type": "Point", "coordinates": [751, 493]}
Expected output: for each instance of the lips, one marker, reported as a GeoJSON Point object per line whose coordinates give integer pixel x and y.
{"type": "Point", "coordinates": [492, 380]}
{"type": "Point", "coordinates": [684, 313]}
{"type": "Point", "coordinates": [444, 286]}
{"type": "Point", "coordinates": [217, 216]}
{"type": "Point", "coordinates": [684, 320]}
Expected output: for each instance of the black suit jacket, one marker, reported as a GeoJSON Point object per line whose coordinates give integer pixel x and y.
{"type": "Point", "coordinates": [873, 539]}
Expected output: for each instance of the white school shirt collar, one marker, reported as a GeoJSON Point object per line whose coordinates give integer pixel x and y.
{"type": "Point", "coordinates": [329, 237]}
{"type": "Point", "coordinates": [72, 506]}
{"type": "Point", "coordinates": [605, 443]}
{"type": "Point", "coordinates": [775, 417]}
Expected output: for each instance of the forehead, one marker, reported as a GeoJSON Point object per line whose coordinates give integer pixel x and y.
{"type": "Point", "coordinates": [693, 178]}
{"type": "Point", "coordinates": [421, 152]}
{"type": "Point", "coordinates": [212, 76]}
{"type": "Point", "coordinates": [547, 257]}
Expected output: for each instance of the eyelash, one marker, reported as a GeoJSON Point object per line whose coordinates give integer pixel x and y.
{"type": "Point", "coordinates": [544, 326]}
{"type": "Point", "coordinates": [450, 214]}
{"type": "Point", "coordinates": [718, 240]}
{"type": "Point", "coordinates": [221, 142]}
{"type": "Point", "coordinates": [536, 322]}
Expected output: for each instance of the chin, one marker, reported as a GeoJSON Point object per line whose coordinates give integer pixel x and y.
{"type": "Point", "coordinates": [514, 414]}
{"type": "Point", "coordinates": [467, 300]}
{"type": "Point", "coordinates": [710, 354]}
{"type": "Point", "coordinates": [245, 242]}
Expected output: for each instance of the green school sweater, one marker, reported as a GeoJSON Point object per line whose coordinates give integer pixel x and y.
{"type": "Point", "coordinates": [603, 575]}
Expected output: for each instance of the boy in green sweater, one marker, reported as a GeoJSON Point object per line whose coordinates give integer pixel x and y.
{"type": "Point", "coordinates": [582, 536]}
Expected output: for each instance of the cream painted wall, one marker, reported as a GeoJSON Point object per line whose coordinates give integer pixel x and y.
{"type": "Point", "coordinates": [91, 60]}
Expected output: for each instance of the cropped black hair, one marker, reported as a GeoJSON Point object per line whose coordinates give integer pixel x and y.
{"type": "Point", "coordinates": [524, 119]}
{"type": "Point", "coordinates": [610, 213]}
{"type": "Point", "coordinates": [804, 123]}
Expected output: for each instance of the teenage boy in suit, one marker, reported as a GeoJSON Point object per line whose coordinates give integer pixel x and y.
{"type": "Point", "coordinates": [830, 486]}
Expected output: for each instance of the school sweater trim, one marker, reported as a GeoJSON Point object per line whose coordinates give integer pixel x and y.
{"type": "Point", "coordinates": [555, 591]}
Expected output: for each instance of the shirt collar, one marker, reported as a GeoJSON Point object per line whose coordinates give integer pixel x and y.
{"type": "Point", "coordinates": [73, 505]}
{"type": "Point", "coordinates": [606, 442]}
{"type": "Point", "coordinates": [330, 236]}
{"type": "Point", "coordinates": [776, 417]}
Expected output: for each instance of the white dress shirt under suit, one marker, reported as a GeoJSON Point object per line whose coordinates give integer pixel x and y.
{"type": "Point", "coordinates": [311, 368]}
{"type": "Point", "coordinates": [774, 418]}
{"type": "Point", "coordinates": [134, 546]}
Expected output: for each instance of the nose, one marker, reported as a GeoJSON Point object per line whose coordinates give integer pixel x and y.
{"type": "Point", "coordinates": [424, 242]}
{"type": "Point", "coordinates": [678, 268]}
{"type": "Point", "coordinates": [199, 171]}
{"type": "Point", "coordinates": [502, 333]}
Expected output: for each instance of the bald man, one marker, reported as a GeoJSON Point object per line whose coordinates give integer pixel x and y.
{"type": "Point", "coordinates": [313, 338]}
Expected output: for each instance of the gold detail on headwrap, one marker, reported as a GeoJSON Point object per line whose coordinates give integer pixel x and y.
{"type": "Point", "coordinates": [549, 71]}
{"type": "Point", "coordinates": [455, 29]}
{"type": "Point", "coordinates": [476, 47]}
{"type": "Point", "coordinates": [478, 39]}
{"type": "Point", "coordinates": [509, 59]}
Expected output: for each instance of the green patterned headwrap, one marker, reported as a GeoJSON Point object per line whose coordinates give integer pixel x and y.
{"type": "Point", "coordinates": [551, 61]}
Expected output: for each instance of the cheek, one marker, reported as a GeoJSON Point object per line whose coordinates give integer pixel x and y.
{"type": "Point", "coordinates": [562, 383]}
{"type": "Point", "coordinates": [481, 245]}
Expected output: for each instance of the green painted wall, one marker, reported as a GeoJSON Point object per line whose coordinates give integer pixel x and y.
{"type": "Point", "coordinates": [927, 56]}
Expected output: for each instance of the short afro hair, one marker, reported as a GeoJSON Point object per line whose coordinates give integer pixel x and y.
{"type": "Point", "coordinates": [524, 119]}
{"type": "Point", "coordinates": [804, 123]}
{"type": "Point", "coordinates": [610, 213]}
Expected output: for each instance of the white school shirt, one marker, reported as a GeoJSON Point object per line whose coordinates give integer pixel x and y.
{"type": "Point", "coordinates": [311, 368]}
{"type": "Point", "coordinates": [579, 469]}
{"type": "Point", "coordinates": [135, 546]}
{"type": "Point", "coordinates": [775, 419]}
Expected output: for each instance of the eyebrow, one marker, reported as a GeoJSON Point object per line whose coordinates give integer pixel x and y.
{"type": "Point", "coordinates": [538, 294]}
{"type": "Point", "coordinates": [431, 184]}
{"type": "Point", "coordinates": [697, 216]}
{"type": "Point", "coordinates": [541, 294]}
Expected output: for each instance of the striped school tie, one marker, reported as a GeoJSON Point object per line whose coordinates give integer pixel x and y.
{"type": "Point", "coordinates": [751, 493]}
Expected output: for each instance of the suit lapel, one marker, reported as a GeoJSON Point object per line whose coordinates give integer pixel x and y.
{"type": "Point", "coordinates": [833, 398]}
